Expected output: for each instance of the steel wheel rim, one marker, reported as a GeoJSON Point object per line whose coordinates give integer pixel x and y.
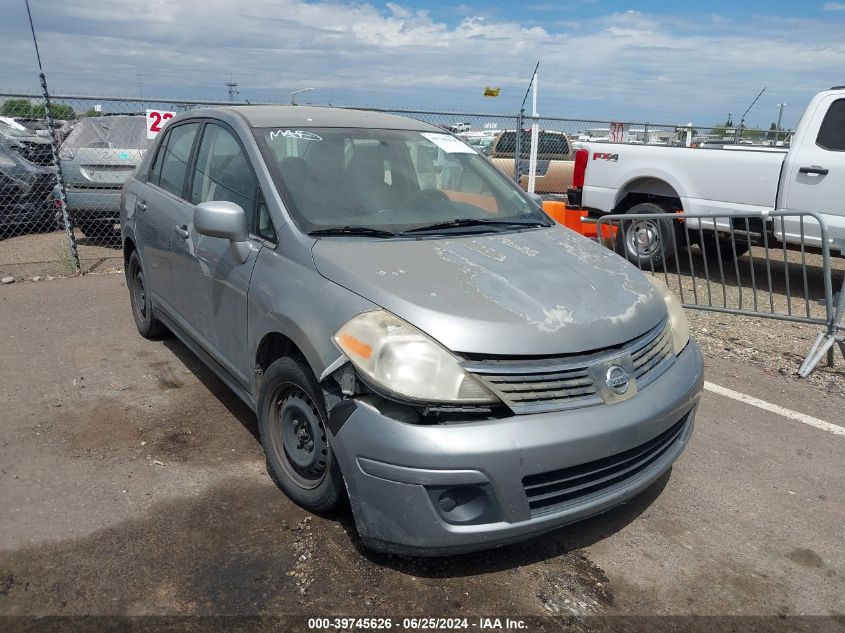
{"type": "Point", "coordinates": [643, 238]}
{"type": "Point", "coordinates": [139, 294]}
{"type": "Point", "coordinates": [299, 438]}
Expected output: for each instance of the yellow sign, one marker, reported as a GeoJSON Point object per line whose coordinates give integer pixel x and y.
{"type": "Point", "coordinates": [491, 92]}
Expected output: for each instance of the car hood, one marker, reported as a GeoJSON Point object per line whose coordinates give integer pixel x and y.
{"type": "Point", "coordinates": [535, 292]}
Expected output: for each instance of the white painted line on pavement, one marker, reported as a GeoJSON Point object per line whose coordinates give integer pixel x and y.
{"type": "Point", "coordinates": [773, 408]}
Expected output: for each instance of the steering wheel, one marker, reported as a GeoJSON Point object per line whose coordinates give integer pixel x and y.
{"type": "Point", "coordinates": [425, 197]}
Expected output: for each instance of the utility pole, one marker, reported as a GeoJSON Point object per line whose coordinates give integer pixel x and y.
{"type": "Point", "coordinates": [233, 89]}
{"type": "Point", "coordinates": [140, 84]}
{"type": "Point", "coordinates": [780, 116]}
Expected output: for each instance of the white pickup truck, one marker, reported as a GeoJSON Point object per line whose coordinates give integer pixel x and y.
{"type": "Point", "coordinates": [807, 176]}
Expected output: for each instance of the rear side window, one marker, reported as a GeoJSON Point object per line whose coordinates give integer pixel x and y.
{"type": "Point", "coordinates": [223, 172]}
{"type": "Point", "coordinates": [552, 144]}
{"type": "Point", "coordinates": [174, 158]}
{"type": "Point", "coordinates": [832, 132]}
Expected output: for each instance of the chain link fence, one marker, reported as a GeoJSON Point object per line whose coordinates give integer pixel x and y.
{"type": "Point", "coordinates": [94, 143]}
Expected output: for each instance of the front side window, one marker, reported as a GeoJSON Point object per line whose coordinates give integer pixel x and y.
{"type": "Point", "coordinates": [832, 131]}
{"type": "Point", "coordinates": [264, 224]}
{"type": "Point", "coordinates": [174, 158]}
{"type": "Point", "coordinates": [389, 180]}
{"type": "Point", "coordinates": [223, 172]}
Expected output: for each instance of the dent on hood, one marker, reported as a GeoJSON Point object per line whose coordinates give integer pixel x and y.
{"type": "Point", "coordinates": [548, 317]}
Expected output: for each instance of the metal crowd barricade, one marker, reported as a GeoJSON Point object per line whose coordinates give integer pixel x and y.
{"type": "Point", "coordinates": [732, 263]}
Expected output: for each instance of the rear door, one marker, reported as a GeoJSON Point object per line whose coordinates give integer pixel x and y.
{"type": "Point", "coordinates": [157, 207]}
{"type": "Point", "coordinates": [212, 284]}
{"type": "Point", "coordinates": [815, 172]}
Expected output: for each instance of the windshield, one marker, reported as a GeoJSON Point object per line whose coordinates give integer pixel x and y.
{"type": "Point", "coordinates": [391, 181]}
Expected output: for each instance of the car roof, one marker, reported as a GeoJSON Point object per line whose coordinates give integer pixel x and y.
{"type": "Point", "coordinates": [314, 116]}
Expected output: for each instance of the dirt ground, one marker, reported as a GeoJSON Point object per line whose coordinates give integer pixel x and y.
{"type": "Point", "coordinates": [133, 484]}
{"type": "Point", "coordinates": [46, 255]}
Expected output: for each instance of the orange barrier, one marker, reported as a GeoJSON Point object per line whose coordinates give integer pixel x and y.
{"type": "Point", "coordinates": [571, 219]}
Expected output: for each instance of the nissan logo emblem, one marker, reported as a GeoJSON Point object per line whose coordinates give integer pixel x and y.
{"type": "Point", "coordinates": [617, 379]}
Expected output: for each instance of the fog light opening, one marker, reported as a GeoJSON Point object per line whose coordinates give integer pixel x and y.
{"type": "Point", "coordinates": [463, 504]}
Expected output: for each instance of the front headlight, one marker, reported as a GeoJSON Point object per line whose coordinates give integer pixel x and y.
{"type": "Point", "coordinates": [399, 359]}
{"type": "Point", "coordinates": [677, 318]}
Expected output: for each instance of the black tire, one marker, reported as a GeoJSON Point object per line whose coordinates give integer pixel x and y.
{"type": "Point", "coordinates": [714, 247]}
{"type": "Point", "coordinates": [139, 298]}
{"type": "Point", "coordinates": [292, 426]}
{"type": "Point", "coordinates": [647, 243]}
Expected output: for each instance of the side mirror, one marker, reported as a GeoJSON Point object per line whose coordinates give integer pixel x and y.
{"type": "Point", "coordinates": [538, 200]}
{"type": "Point", "coordinates": [226, 220]}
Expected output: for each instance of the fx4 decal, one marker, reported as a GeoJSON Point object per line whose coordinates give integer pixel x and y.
{"type": "Point", "coordinates": [605, 156]}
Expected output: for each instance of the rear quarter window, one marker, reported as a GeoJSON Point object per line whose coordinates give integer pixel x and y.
{"type": "Point", "coordinates": [832, 131]}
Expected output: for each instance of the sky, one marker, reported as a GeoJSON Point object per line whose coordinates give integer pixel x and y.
{"type": "Point", "coordinates": [660, 61]}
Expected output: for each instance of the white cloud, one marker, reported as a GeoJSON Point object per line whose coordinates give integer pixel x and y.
{"type": "Point", "coordinates": [624, 65]}
{"type": "Point", "coordinates": [834, 6]}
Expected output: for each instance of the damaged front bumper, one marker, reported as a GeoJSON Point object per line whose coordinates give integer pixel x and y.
{"type": "Point", "coordinates": [451, 488]}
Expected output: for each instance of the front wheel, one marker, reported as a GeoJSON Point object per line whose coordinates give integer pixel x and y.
{"type": "Point", "coordinates": [646, 242]}
{"type": "Point", "coordinates": [292, 425]}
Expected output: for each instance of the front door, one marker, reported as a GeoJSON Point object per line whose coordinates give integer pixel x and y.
{"type": "Point", "coordinates": [816, 173]}
{"type": "Point", "coordinates": [214, 285]}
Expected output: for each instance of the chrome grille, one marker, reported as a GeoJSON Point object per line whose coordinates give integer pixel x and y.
{"type": "Point", "coordinates": [536, 392]}
{"type": "Point", "coordinates": [551, 491]}
{"type": "Point", "coordinates": [651, 358]}
{"type": "Point", "coordinates": [538, 385]}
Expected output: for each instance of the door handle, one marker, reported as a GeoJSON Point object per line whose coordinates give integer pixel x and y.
{"type": "Point", "coordinates": [821, 171]}
{"type": "Point", "coordinates": [140, 205]}
{"type": "Point", "coordinates": [182, 231]}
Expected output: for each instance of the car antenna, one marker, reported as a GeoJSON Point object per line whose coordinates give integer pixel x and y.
{"type": "Point", "coordinates": [738, 131]}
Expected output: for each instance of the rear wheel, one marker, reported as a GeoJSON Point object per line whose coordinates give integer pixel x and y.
{"type": "Point", "coordinates": [647, 242]}
{"type": "Point", "coordinates": [139, 297]}
{"type": "Point", "coordinates": [292, 425]}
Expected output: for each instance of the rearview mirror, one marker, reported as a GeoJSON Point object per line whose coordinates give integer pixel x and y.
{"type": "Point", "coordinates": [226, 220]}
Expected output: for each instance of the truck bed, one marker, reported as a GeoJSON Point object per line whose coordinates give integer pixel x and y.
{"type": "Point", "coordinates": [706, 180]}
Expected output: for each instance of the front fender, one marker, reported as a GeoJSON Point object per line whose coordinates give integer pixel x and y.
{"type": "Point", "coordinates": [293, 299]}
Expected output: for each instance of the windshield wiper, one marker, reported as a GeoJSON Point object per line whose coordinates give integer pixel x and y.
{"type": "Point", "coordinates": [353, 230]}
{"type": "Point", "coordinates": [469, 222]}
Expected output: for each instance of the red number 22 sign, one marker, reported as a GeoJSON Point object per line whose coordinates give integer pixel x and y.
{"type": "Point", "coordinates": [156, 120]}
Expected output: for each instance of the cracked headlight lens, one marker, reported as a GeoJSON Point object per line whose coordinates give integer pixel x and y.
{"type": "Point", "coordinates": [400, 360]}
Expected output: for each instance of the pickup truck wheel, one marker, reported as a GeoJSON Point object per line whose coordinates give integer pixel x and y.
{"type": "Point", "coordinates": [139, 297]}
{"type": "Point", "coordinates": [292, 425]}
{"type": "Point", "coordinates": [708, 244]}
{"type": "Point", "coordinates": [646, 242]}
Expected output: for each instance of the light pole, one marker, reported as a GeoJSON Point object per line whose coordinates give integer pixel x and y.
{"type": "Point", "coordinates": [233, 89]}
{"type": "Point", "coordinates": [780, 116]}
{"type": "Point", "coordinates": [296, 92]}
